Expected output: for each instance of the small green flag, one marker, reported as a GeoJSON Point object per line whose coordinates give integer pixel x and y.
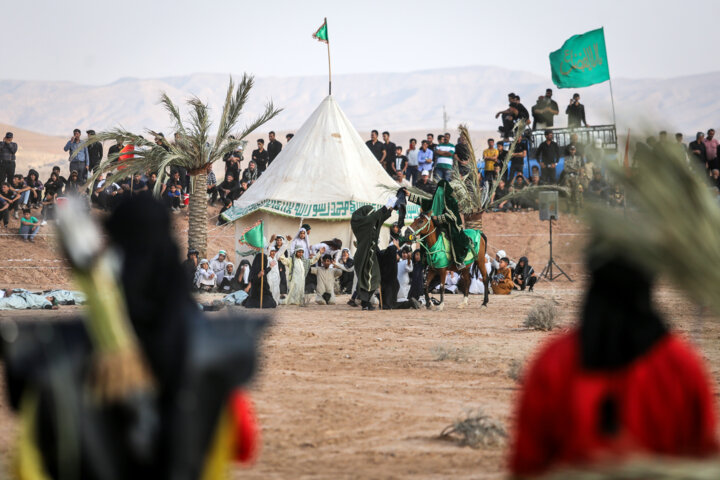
{"type": "Point", "coordinates": [581, 61]}
{"type": "Point", "coordinates": [254, 237]}
{"type": "Point", "coordinates": [321, 33]}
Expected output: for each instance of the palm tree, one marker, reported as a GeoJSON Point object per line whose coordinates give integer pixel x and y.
{"type": "Point", "coordinates": [192, 150]}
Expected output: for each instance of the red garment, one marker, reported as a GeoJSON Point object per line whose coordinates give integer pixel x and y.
{"type": "Point", "coordinates": [246, 430]}
{"type": "Point", "coordinates": [665, 406]}
{"type": "Point", "coordinates": [127, 148]}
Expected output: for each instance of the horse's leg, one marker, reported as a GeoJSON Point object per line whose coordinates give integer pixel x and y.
{"type": "Point", "coordinates": [428, 279]}
{"type": "Point", "coordinates": [465, 276]}
{"type": "Point", "coordinates": [486, 283]}
{"type": "Point", "coordinates": [442, 274]}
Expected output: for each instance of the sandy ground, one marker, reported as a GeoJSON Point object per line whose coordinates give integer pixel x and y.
{"type": "Point", "coordinates": [342, 393]}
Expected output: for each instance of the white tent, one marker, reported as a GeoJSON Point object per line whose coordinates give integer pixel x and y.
{"type": "Point", "coordinates": [320, 178]}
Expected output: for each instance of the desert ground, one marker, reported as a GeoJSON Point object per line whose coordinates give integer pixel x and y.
{"type": "Point", "coordinates": [342, 393]}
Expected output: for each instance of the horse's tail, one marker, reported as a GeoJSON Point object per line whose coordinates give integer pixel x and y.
{"type": "Point", "coordinates": [484, 237]}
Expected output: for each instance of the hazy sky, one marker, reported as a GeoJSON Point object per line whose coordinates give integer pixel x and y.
{"type": "Point", "coordinates": [98, 41]}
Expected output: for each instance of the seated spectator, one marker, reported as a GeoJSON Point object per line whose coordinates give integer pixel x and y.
{"type": "Point", "coordinates": [20, 188]}
{"type": "Point", "coordinates": [171, 198]}
{"type": "Point", "coordinates": [54, 185]}
{"type": "Point", "coordinates": [617, 198]}
{"type": "Point", "coordinates": [73, 187]}
{"type": "Point", "coordinates": [229, 189]}
{"type": "Point", "coordinates": [242, 277]}
{"type": "Point", "coordinates": [227, 205]}
{"type": "Point", "coordinates": [477, 287]}
{"type": "Point", "coordinates": [346, 265]}
{"type": "Point", "coordinates": [250, 174]}
{"type": "Point", "coordinates": [232, 165]}
{"type": "Point", "coordinates": [518, 184]}
{"type": "Point", "coordinates": [326, 275]}
{"type": "Point", "coordinates": [204, 277]}
{"type": "Point", "coordinates": [501, 191]}
{"type": "Point", "coordinates": [425, 183]}
{"type": "Point", "coordinates": [218, 264]}
{"type": "Point", "coordinates": [228, 284]}
{"type": "Point", "coordinates": [495, 264]}
{"type": "Point", "coordinates": [151, 182]}
{"type": "Point", "coordinates": [502, 283]}
{"type": "Point", "coordinates": [35, 189]}
{"type": "Point", "coordinates": [212, 189]}
{"type": "Point", "coordinates": [524, 275]}
{"type": "Point", "coordinates": [5, 205]}
{"type": "Point", "coordinates": [10, 195]}
{"type": "Point", "coordinates": [48, 207]}
{"type": "Point", "coordinates": [598, 187]}
{"type": "Point", "coordinates": [190, 266]}
{"type": "Point", "coordinates": [29, 226]}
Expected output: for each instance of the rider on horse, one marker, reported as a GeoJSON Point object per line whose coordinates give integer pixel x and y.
{"type": "Point", "coordinates": [443, 209]}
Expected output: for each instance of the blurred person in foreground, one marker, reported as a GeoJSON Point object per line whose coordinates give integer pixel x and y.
{"type": "Point", "coordinates": [620, 384]}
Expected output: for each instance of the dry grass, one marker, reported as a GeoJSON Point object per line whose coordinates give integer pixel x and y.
{"type": "Point", "coordinates": [541, 317]}
{"type": "Point", "coordinates": [516, 370]}
{"type": "Point", "coordinates": [443, 352]}
{"type": "Point", "coordinates": [476, 430]}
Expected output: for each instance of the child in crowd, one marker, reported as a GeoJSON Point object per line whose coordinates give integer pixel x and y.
{"type": "Point", "coordinates": [524, 275]}
{"type": "Point", "coordinates": [273, 277]}
{"type": "Point", "coordinates": [29, 226]}
{"type": "Point", "coordinates": [172, 198]}
{"type": "Point", "coordinates": [346, 265]}
{"type": "Point", "coordinates": [417, 277]}
{"type": "Point", "coordinates": [502, 283]}
{"type": "Point", "coordinates": [218, 264]}
{"type": "Point", "coordinates": [301, 242]}
{"type": "Point", "coordinates": [298, 267]}
{"type": "Point", "coordinates": [204, 277]}
{"type": "Point", "coordinates": [48, 206]}
{"type": "Point", "coordinates": [326, 275]}
{"type": "Point", "coordinates": [227, 284]}
{"type": "Point", "coordinates": [405, 268]}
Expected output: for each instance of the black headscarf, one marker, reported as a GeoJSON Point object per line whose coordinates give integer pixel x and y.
{"type": "Point", "coordinates": [618, 323]}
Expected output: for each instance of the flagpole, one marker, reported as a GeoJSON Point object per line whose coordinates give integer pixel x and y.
{"type": "Point", "coordinates": [329, 68]}
{"type": "Point", "coordinates": [612, 99]}
{"type": "Point", "coordinates": [262, 278]}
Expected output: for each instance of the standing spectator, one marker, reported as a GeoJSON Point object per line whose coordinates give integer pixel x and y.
{"type": "Point", "coordinates": [546, 113]}
{"type": "Point", "coordinates": [8, 149]}
{"type": "Point", "coordinates": [711, 150]}
{"type": "Point", "coordinates": [376, 148]}
{"type": "Point", "coordinates": [260, 156]}
{"type": "Point", "coordinates": [289, 137]}
{"type": "Point", "coordinates": [445, 154]}
{"type": "Point", "coordinates": [548, 154]}
{"type": "Point", "coordinates": [412, 171]}
{"type": "Point", "coordinates": [399, 163]}
{"type": "Point", "coordinates": [697, 149]}
{"type": "Point", "coordinates": [502, 153]}
{"type": "Point", "coordinates": [517, 158]}
{"type": "Point", "coordinates": [29, 226]}
{"type": "Point", "coordinates": [81, 161]}
{"type": "Point", "coordinates": [680, 146]}
{"type": "Point", "coordinates": [576, 112]}
{"type": "Point", "coordinates": [274, 147]}
{"type": "Point", "coordinates": [232, 165]}
{"type": "Point", "coordinates": [95, 152]}
{"type": "Point", "coordinates": [212, 189]}
{"type": "Point", "coordinates": [462, 155]}
{"type": "Point", "coordinates": [425, 157]}
{"type": "Point", "coordinates": [490, 156]}
{"type": "Point", "coordinates": [114, 151]}
{"type": "Point", "coordinates": [389, 152]}
{"type": "Point", "coordinates": [431, 141]}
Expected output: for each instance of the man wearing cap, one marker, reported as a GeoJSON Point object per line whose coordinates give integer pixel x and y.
{"type": "Point", "coordinates": [95, 152]}
{"type": "Point", "coordinates": [79, 158]}
{"type": "Point", "coordinates": [8, 149]}
{"type": "Point", "coordinates": [425, 183]}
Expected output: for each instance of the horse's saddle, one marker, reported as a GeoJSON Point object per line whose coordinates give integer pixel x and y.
{"type": "Point", "coordinates": [439, 255]}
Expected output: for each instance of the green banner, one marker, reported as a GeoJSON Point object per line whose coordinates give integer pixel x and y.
{"type": "Point", "coordinates": [339, 210]}
{"type": "Point", "coordinates": [321, 33]}
{"type": "Point", "coordinates": [581, 61]}
{"type": "Point", "coordinates": [254, 237]}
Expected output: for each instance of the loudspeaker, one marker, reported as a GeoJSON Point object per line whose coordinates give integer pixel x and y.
{"type": "Point", "coordinates": [548, 205]}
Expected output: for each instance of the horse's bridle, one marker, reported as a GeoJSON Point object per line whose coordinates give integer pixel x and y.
{"type": "Point", "coordinates": [421, 238]}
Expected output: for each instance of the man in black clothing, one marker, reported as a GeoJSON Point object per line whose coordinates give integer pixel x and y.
{"type": "Point", "coordinates": [576, 112]}
{"type": "Point", "coordinates": [260, 156]}
{"type": "Point", "coordinates": [697, 150]}
{"type": "Point", "coordinates": [523, 113]}
{"type": "Point", "coordinates": [544, 111]}
{"type": "Point", "coordinates": [289, 137]}
{"type": "Point", "coordinates": [548, 154]}
{"type": "Point", "coordinates": [274, 147]}
{"type": "Point", "coordinates": [115, 149]}
{"type": "Point", "coordinates": [388, 158]}
{"type": "Point", "coordinates": [229, 188]}
{"type": "Point", "coordinates": [462, 155]}
{"type": "Point", "coordinates": [232, 165]}
{"type": "Point", "coordinates": [95, 152]}
{"type": "Point", "coordinates": [425, 183]}
{"type": "Point", "coordinates": [8, 149]}
{"type": "Point", "coordinates": [502, 153]}
{"type": "Point", "coordinates": [376, 148]}
{"type": "Point", "coordinates": [517, 158]}
{"type": "Point", "coordinates": [431, 144]}
{"type": "Point", "coordinates": [399, 163]}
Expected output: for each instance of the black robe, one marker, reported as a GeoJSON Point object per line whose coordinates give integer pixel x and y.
{"type": "Point", "coordinates": [366, 223]}
{"type": "Point", "coordinates": [259, 284]}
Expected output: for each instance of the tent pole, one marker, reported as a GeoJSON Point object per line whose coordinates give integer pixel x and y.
{"type": "Point", "coordinates": [329, 68]}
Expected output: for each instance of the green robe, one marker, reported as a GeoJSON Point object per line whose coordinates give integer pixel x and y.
{"type": "Point", "coordinates": [444, 207]}
{"type": "Point", "coordinates": [366, 223]}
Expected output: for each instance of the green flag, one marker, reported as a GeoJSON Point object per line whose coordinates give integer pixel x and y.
{"type": "Point", "coordinates": [321, 33]}
{"type": "Point", "coordinates": [254, 237]}
{"type": "Point", "coordinates": [581, 61]}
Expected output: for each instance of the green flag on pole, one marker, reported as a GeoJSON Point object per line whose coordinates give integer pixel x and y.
{"type": "Point", "coordinates": [581, 61]}
{"type": "Point", "coordinates": [254, 237]}
{"type": "Point", "coordinates": [321, 34]}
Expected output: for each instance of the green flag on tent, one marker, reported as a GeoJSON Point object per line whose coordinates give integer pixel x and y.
{"type": "Point", "coordinates": [254, 237]}
{"type": "Point", "coordinates": [321, 33]}
{"type": "Point", "coordinates": [581, 61]}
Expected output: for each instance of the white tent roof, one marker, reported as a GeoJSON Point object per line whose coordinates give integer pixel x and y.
{"type": "Point", "coordinates": [326, 172]}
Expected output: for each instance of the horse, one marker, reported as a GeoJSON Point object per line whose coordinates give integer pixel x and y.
{"type": "Point", "coordinates": [426, 233]}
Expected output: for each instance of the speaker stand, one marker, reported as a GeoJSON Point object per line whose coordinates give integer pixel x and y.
{"type": "Point", "coordinates": [547, 272]}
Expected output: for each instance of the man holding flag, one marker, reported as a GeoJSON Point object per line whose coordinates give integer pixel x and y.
{"type": "Point", "coordinates": [260, 295]}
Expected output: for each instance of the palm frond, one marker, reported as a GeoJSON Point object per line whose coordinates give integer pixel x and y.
{"type": "Point", "coordinates": [517, 133]}
{"type": "Point", "coordinates": [529, 191]}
